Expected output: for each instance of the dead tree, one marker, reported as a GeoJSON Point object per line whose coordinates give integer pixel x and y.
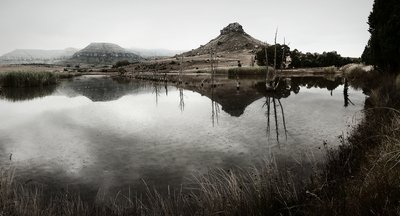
{"type": "Point", "coordinates": [180, 69]}
{"type": "Point", "coordinates": [212, 67]}
{"type": "Point", "coordinates": [276, 34]}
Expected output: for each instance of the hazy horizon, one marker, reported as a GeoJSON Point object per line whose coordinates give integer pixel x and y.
{"type": "Point", "coordinates": [308, 25]}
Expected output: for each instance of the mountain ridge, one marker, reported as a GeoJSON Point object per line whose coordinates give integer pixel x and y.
{"type": "Point", "coordinates": [29, 56]}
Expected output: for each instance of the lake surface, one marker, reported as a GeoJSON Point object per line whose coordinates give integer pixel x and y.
{"type": "Point", "coordinates": [95, 132]}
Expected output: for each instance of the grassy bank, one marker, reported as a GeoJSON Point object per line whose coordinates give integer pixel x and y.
{"type": "Point", "coordinates": [363, 177]}
{"type": "Point", "coordinates": [257, 191]}
{"type": "Point", "coordinates": [237, 71]}
{"type": "Point", "coordinates": [248, 71]}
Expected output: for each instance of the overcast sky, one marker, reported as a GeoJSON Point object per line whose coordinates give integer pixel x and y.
{"type": "Point", "coordinates": [309, 25]}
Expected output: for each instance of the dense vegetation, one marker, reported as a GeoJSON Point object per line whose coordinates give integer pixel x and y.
{"type": "Point", "coordinates": [301, 60]}
{"type": "Point", "coordinates": [326, 59]}
{"type": "Point", "coordinates": [270, 53]}
{"type": "Point", "coordinates": [383, 48]}
{"type": "Point", "coordinates": [121, 64]}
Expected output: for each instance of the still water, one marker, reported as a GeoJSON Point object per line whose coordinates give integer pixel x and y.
{"type": "Point", "coordinates": [95, 132]}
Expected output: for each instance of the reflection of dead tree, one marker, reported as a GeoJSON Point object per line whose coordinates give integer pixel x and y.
{"type": "Point", "coordinates": [276, 120]}
{"type": "Point", "coordinates": [268, 113]}
{"type": "Point", "coordinates": [237, 82]}
{"type": "Point", "coordinates": [346, 94]}
{"type": "Point", "coordinates": [166, 89]}
{"type": "Point", "coordinates": [215, 109]}
{"type": "Point", "coordinates": [274, 102]}
{"type": "Point", "coordinates": [181, 100]}
{"type": "Point", "coordinates": [156, 90]}
{"type": "Point", "coordinates": [283, 117]}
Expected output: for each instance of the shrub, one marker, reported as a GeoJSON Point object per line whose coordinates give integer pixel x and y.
{"type": "Point", "coordinates": [121, 63]}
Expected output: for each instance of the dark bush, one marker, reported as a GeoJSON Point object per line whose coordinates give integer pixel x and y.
{"type": "Point", "coordinates": [121, 63]}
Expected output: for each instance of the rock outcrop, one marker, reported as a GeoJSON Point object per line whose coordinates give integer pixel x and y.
{"type": "Point", "coordinates": [232, 39]}
{"type": "Point", "coordinates": [103, 54]}
{"type": "Point", "coordinates": [233, 27]}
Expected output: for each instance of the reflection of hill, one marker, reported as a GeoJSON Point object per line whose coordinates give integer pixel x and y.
{"type": "Point", "coordinates": [235, 102]}
{"type": "Point", "coordinates": [232, 101]}
{"type": "Point", "coordinates": [101, 88]}
{"type": "Point", "coordinates": [21, 94]}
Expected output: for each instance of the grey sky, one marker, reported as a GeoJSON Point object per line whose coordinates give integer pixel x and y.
{"type": "Point", "coordinates": [309, 25]}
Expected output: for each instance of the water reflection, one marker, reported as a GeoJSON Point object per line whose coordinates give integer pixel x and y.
{"type": "Point", "coordinates": [274, 102]}
{"type": "Point", "coordinates": [22, 94]}
{"type": "Point", "coordinates": [110, 134]}
{"type": "Point", "coordinates": [103, 88]}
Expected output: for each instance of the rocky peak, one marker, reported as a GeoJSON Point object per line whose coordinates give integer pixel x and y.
{"type": "Point", "coordinates": [233, 27]}
{"type": "Point", "coordinates": [104, 48]}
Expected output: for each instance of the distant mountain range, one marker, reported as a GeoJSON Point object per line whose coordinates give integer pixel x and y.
{"type": "Point", "coordinates": [94, 53]}
{"type": "Point", "coordinates": [30, 56]}
{"type": "Point", "coordinates": [232, 39]}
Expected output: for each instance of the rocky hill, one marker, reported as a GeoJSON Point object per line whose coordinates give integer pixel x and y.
{"type": "Point", "coordinates": [103, 54]}
{"type": "Point", "coordinates": [231, 39]}
{"type": "Point", "coordinates": [36, 56]}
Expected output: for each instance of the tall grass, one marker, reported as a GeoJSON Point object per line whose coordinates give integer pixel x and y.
{"type": "Point", "coordinates": [363, 177]}
{"type": "Point", "coordinates": [258, 191]}
{"type": "Point", "coordinates": [27, 79]}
